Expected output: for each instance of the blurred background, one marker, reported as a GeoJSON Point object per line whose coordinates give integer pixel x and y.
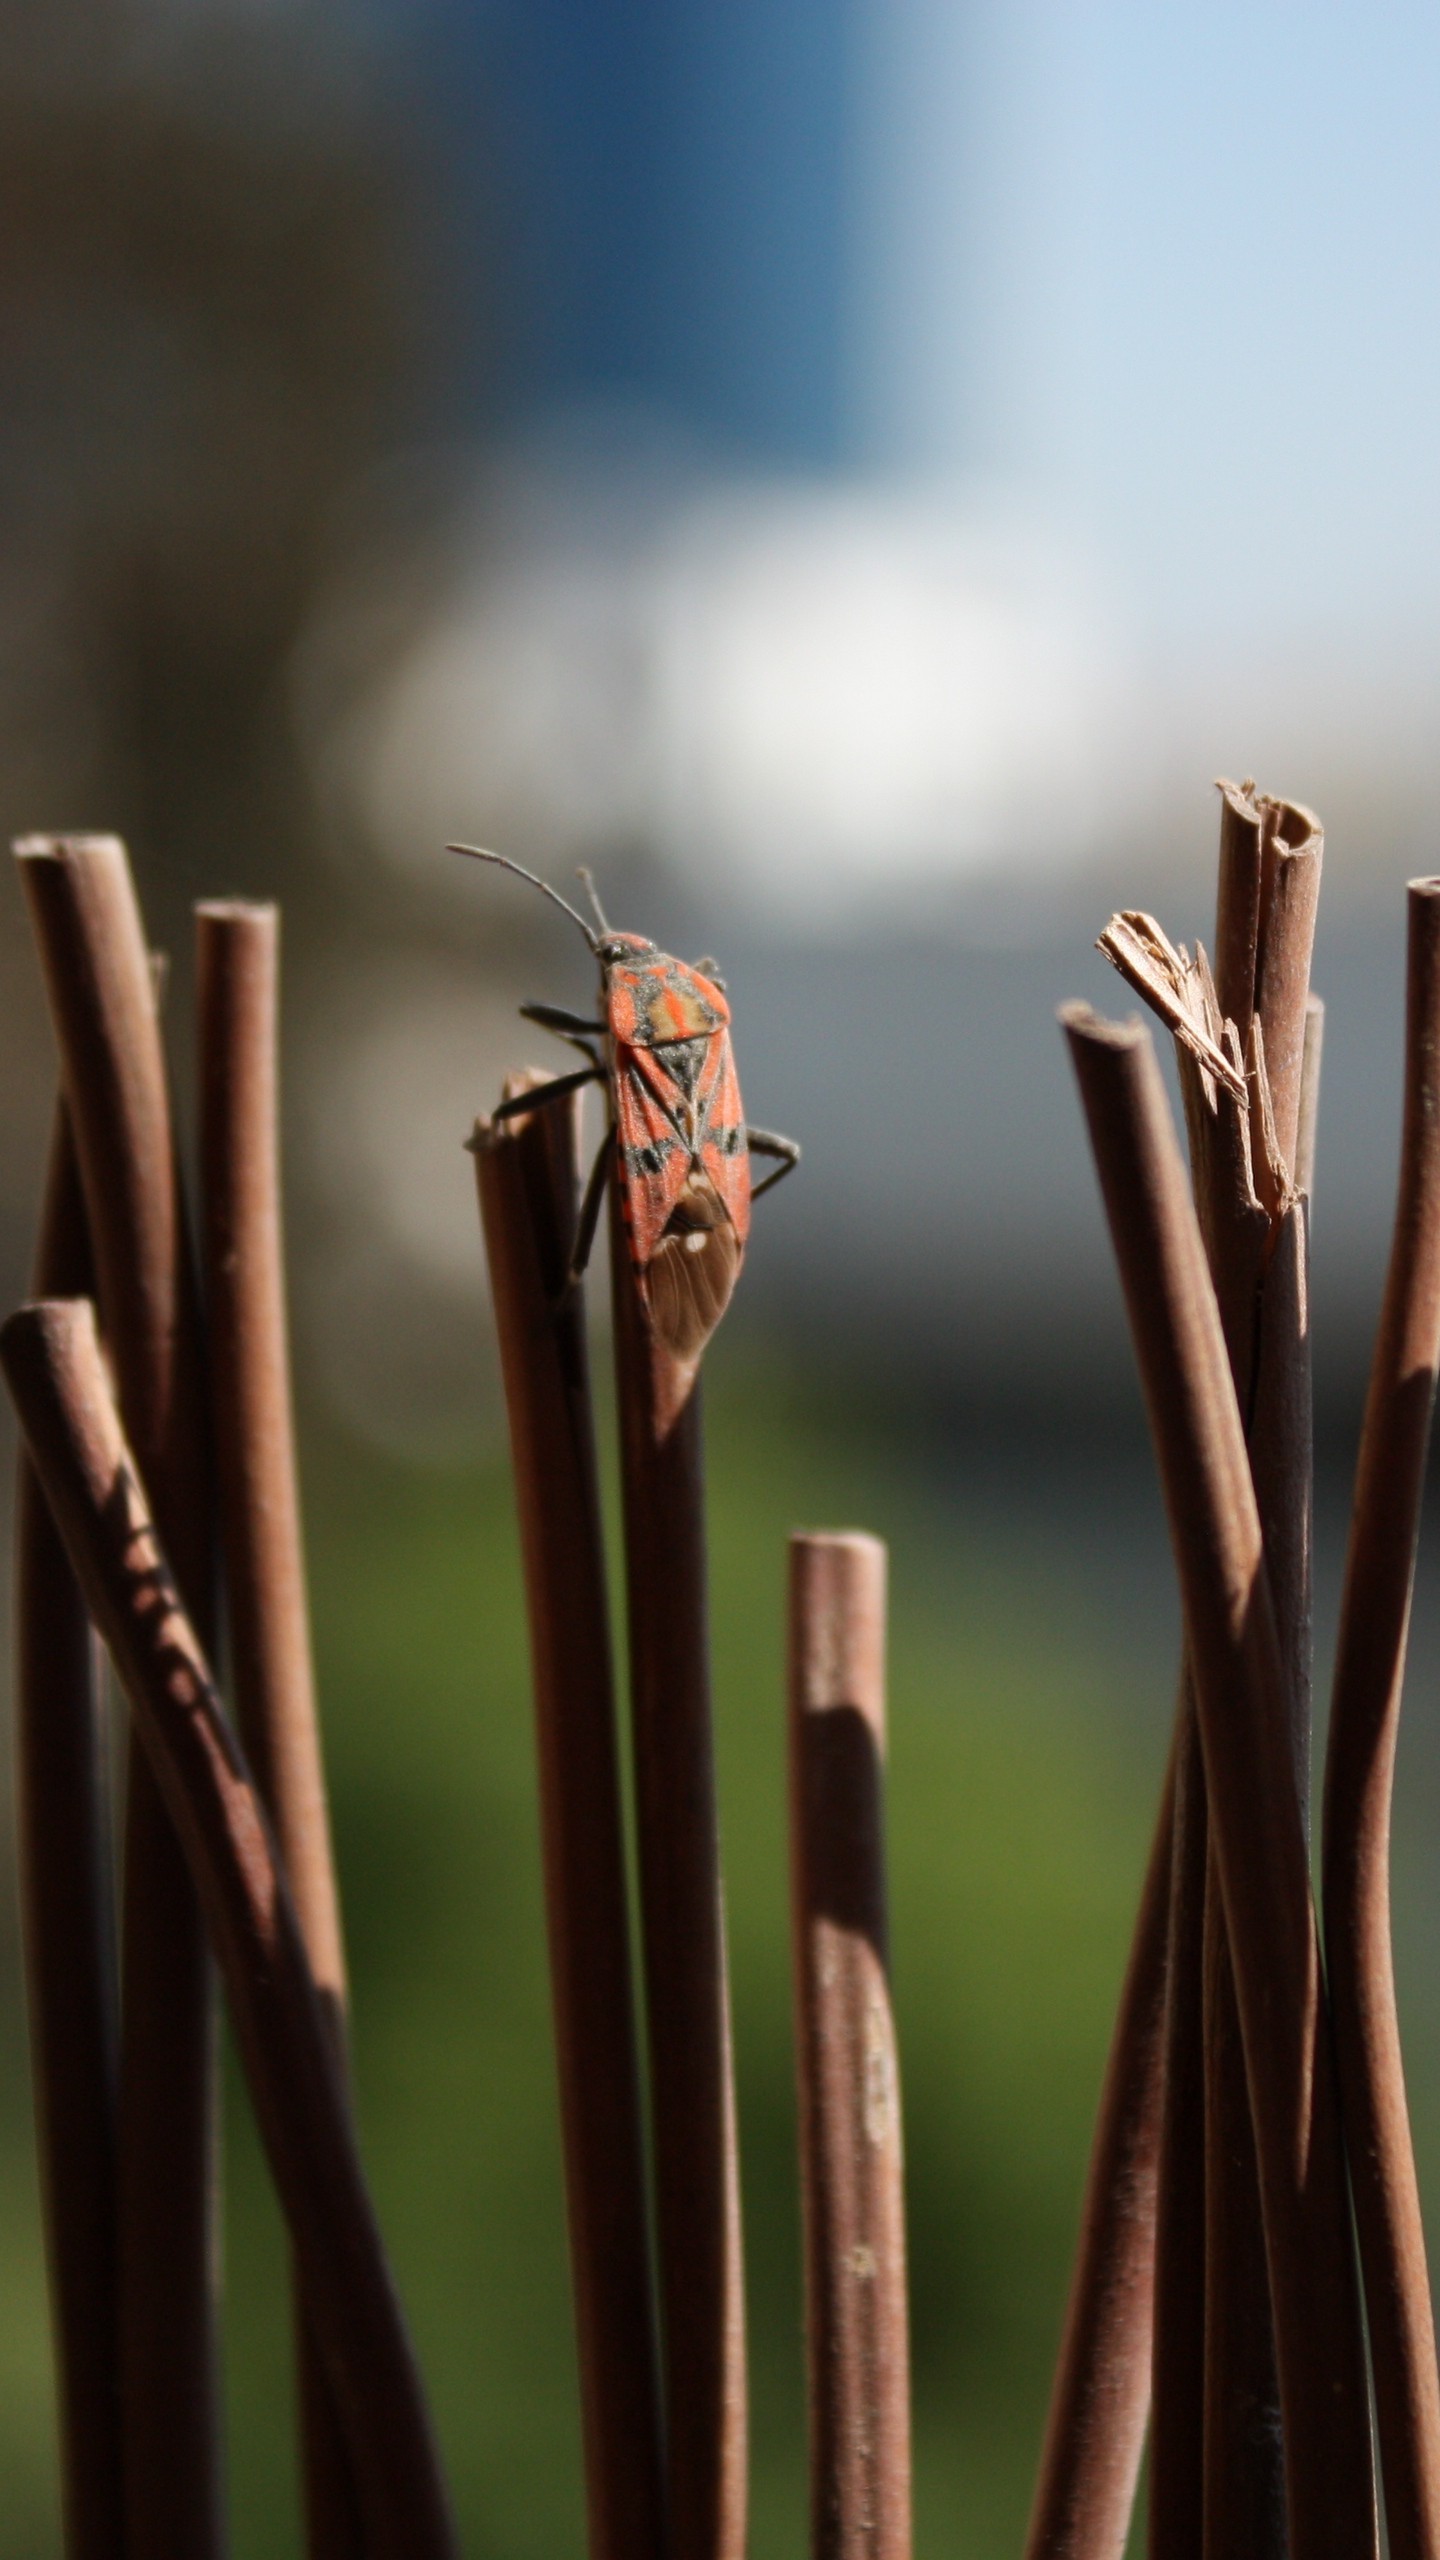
{"type": "Point", "coordinates": [853, 474]}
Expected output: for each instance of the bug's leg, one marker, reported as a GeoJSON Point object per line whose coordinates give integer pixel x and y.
{"type": "Point", "coordinates": [539, 1094]}
{"type": "Point", "coordinates": [595, 1190]}
{"type": "Point", "coordinates": [567, 1026]}
{"type": "Point", "coordinates": [710, 969]}
{"type": "Point", "coordinates": [764, 1142]}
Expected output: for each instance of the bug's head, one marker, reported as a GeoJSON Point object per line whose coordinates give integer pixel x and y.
{"type": "Point", "coordinates": [623, 946]}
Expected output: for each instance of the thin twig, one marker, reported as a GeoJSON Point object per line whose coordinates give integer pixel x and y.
{"type": "Point", "coordinates": [1095, 2427]}
{"type": "Point", "coordinates": [526, 1173]}
{"type": "Point", "coordinates": [1271, 853]}
{"type": "Point", "coordinates": [856, 2327]}
{"type": "Point", "coordinates": [102, 1003]}
{"type": "Point", "coordinates": [687, 1999]}
{"type": "Point", "coordinates": [53, 1366]}
{"type": "Point", "coordinates": [237, 955]}
{"type": "Point", "coordinates": [1241, 1697]}
{"type": "Point", "coordinates": [1364, 1723]}
{"type": "Point", "coordinates": [67, 1915]}
{"type": "Point", "coordinates": [1175, 2522]}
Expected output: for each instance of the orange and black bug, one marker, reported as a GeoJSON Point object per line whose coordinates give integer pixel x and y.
{"type": "Point", "coordinates": [678, 1144]}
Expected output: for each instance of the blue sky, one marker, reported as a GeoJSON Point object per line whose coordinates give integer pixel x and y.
{"type": "Point", "coordinates": [1199, 249]}
{"type": "Point", "coordinates": [1168, 272]}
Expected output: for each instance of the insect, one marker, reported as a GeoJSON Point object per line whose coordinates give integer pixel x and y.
{"type": "Point", "coordinates": [678, 1144]}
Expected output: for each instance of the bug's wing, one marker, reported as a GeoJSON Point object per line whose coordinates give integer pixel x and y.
{"type": "Point", "coordinates": [723, 1149]}
{"type": "Point", "coordinates": [654, 1160]}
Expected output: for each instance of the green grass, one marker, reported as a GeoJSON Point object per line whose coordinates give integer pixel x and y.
{"type": "Point", "coordinates": [1019, 1810]}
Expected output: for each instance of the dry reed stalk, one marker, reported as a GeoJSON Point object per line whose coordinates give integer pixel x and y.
{"type": "Point", "coordinates": [1175, 2521]}
{"type": "Point", "coordinates": [56, 1374]}
{"type": "Point", "coordinates": [1095, 2426]}
{"type": "Point", "coordinates": [242, 1259]}
{"type": "Point", "coordinates": [102, 1003]}
{"type": "Point", "coordinates": [1270, 866]}
{"type": "Point", "coordinates": [526, 1174]}
{"type": "Point", "coordinates": [1243, 1709]}
{"type": "Point", "coordinates": [67, 1918]}
{"type": "Point", "coordinates": [1364, 1722]}
{"type": "Point", "coordinates": [852, 2182]}
{"type": "Point", "coordinates": [1244, 1141]}
{"type": "Point", "coordinates": [687, 2001]}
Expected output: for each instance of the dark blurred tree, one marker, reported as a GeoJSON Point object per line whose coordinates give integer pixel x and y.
{"type": "Point", "coordinates": [221, 301]}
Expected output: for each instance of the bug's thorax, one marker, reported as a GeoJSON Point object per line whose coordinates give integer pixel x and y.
{"type": "Point", "coordinates": [651, 1001]}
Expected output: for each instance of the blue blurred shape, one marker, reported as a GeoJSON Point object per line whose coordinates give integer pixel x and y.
{"type": "Point", "coordinates": [670, 194]}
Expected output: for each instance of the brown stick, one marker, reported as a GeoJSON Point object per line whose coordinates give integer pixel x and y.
{"type": "Point", "coordinates": [1175, 2522]}
{"type": "Point", "coordinates": [692, 2094]}
{"type": "Point", "coordinates": [1243, 1136]}
{"type": "Point", "coordinates": [98, 980]}
{"type": "Point", "coordinates": [852, 2185]}
{"type": "Point", "coordinates": [1294, 846]}
{"type": "Point", "coordinates": [1244, 2459]}
{"type": "Point", "coordinates": [1365, 1716]}
{"type": "Point", "coordinates": [1255, 1819]}
{"type": "Point", "coordinates": [237, 954]}
{"type": "Point", "coordinates": [1282, 847]}
{"type": "Point", "coordinates": [526, 1173]}
{"type": "Point", "coordinates": [1095, 2429]}
{"type": "Point", "coordinates": [1244, 2454]}
{"type": "Point", "coordinates": [67, 1916]}
{"type": "Point", "coordinates": [53, 1366]}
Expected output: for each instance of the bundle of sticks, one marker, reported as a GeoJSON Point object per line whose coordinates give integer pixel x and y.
{"type": "Point", "coordinates": [158, 1474]}
{"type": "Point", "coordinates": [1252, 2181]}
{"type": "Point", "coordinates": [158, 1495]}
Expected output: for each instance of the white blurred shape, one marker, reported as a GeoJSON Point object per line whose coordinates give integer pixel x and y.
{"type": "Point", "coordinates": [858, 689]}
{"type": "Point", "coordinates": [824, 689]}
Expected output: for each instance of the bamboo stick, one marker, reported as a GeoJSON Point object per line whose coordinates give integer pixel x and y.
{"type": "Point", "coordinates": [852, 2188]}
{"type": "Point", "coordinates": [237, 953]}
{"type": "Point", "coordinates": [687, 2001]}
{"type": "Point", "coordinates": [1364, 1722]}
{"type": "Point", "coordinates": [56, 1375]}
{"type": "Point", "coordinates": [1245, 1735]}
{"type": "Point", "coordinates": [98, 980]}
{"type": "Point", "coordinates": [526, 1175]}
{"type": "Point", "coordinates": [68, 1925]}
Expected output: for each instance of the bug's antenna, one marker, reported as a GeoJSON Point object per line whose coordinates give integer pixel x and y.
{"type": "Point", "coordinates": [587, 877]}
{"type": "Point", "coordinates": [505, 864]}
